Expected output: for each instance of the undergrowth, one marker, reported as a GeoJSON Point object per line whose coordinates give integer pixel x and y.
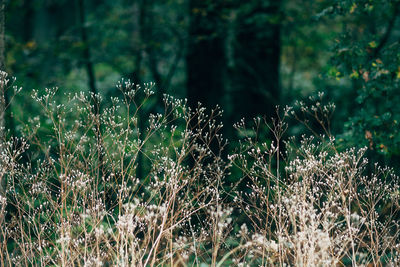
{"type": "Point", "coordinates": [73, 196]}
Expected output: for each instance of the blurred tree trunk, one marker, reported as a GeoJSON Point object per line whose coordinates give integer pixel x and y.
{"type": "Point", "coordinates": [2, 65]}
{"type": "Point", "coordinates": [139, 58]}
{"type": "Point", "coordinates": [2, 121]}
{"type": "Point", "coordinates": [255, 80]}
{"type": "Point", "coordinates": [151, 43]}
{"type": "Point", "coordinates": [205, 60]}
{"type": "Point", "coordinates": [147, 24]}
{"type": "Point", "coordinates": [8, 118]}
{"type": "Point", "coordinates": [177, 58]}
{"type": "Point", "coordinates": [137, 42]}
{"type": "Point", "coordinates": [87, 54]}
{"type": "Point", "coordinates": [92, 85]}
{"type": "Point", "coordinates": [28, 21]}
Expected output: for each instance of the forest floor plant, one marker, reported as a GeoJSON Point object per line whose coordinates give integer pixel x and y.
{"type": "Point", "coordinates": [74, 201]}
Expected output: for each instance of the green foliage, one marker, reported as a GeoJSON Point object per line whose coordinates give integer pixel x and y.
{"type": "Point", "coordinates": [367, 54]}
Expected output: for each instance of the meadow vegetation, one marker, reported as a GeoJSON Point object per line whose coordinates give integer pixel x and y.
{"type": "Point", "coordinates": [73, 194]}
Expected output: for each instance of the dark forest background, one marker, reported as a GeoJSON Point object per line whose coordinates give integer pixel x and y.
{"type": "Point", "coordinates": [245, 56]}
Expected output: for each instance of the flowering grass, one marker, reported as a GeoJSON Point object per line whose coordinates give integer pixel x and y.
{"type": "Point", "coordinates": [73, 195]}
